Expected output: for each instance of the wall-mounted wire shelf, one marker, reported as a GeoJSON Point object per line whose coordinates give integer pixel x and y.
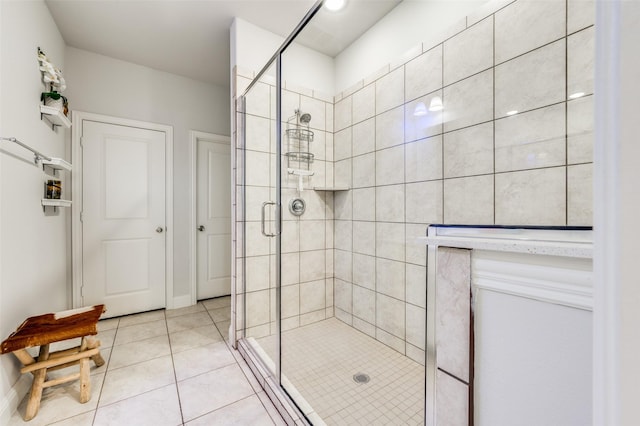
{"type": "Point", "coordinates": [300, 134]}
{"type": "Point", "coordinates": [300, 156]}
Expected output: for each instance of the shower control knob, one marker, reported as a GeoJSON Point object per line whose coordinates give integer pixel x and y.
{"type": "Point", "coordinates": [159, 229]}
{"type": "Point", "coordinates": [201, 228]}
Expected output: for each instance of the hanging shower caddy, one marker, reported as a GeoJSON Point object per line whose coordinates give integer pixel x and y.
{"type": "Point", "coordinates": [298, 153]}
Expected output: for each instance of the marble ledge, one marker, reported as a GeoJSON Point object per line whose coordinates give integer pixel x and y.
{"type": "Point", "coordinates": [548, 248]}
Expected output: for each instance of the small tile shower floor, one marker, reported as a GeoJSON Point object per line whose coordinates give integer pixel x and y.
{"type": "Point", "coordinates": [166, 367]}
{"type": "Point", "coordinates": [321, 359]}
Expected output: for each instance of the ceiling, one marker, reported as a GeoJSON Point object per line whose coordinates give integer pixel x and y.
{"type": "Point", "coordinates": [191, 37]}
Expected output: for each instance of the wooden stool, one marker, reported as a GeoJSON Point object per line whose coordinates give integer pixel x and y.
{"type": "Point", "coordinates": [48, 328]}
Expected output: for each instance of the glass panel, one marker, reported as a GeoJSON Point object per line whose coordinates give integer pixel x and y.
{"type": "Point", "coordinates": [352, 342]}
{"type": "Point", "coordinates": [259, 154]}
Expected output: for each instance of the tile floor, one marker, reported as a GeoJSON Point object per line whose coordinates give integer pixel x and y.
{"type": "Point", "coordinates": [321, 359]}
{"type": "Point", "coordinates": [165, 367]}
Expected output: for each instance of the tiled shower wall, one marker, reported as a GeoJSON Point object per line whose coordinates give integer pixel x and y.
{"type": "Point", "coordinates": [307, 241]}
{"type": "Point", "coordinates": [475, 162]}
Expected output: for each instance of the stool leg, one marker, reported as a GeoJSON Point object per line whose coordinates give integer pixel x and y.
{"type": "Point", "coordinates": [33, 405]}
{"type": "Point", "coordinates": [85, 379]}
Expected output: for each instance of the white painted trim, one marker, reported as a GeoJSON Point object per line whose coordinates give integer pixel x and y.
{"type": "Point", "coordinates": [194, 137]}
{"type": "Point", "coordinates": [12, 399]}
{"type": "Point", "coordinates": [76, 188]}
{"type": "Point", "coordinates": [561, 281]}
{"type": "Point", "coordinates": [605, 326]}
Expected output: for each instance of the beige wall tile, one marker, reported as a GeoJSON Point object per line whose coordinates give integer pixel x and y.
{"type": "Point", "coordinates": [423, 159]}
{"type": "Point", "coordinates": [420, 125]}
{"type": "Point", "coordinates": [452, 401]}
{"type": "Point", "coordinates": [424, 202]}
{"type": "Point", "coordinates": [531, 140]}
{"type": "Point", "coordinates": [424, 74]}
{"type": "Point", "coordinates": [364, 170]}
{"type": "Point", "coordinates": [581, 14]}
{"type": "Point", "coordinates": [342, 114]}
{"type": "Point", "coordinates": [364, 137]}
{"type": "Point", "coordinates": [469, 101]}
{"type": "Point", "coordinates": [469, 200]}
{"type": "Point", "coordinates": [364, 103]}
{"type": "Point", "coordinates": [364, 204]}
{"type": "Point", "coordinates": [469, 151]}
{"type": "Point", "coordinates": [389, 240]}
{"type": "Point", "coordinates": [527, 24]}
{"type": "Point", "coordinates": [390, 203]}
{"type": "Point", "coordinates": [580, 59]}
{"type": "Point", "coordinates": [389, 166]}
{"type": "Point", "coordinates": [312, 296]}
{"type": "Point", "coordinates": [390, 315]}
{"type": "Point", "coordinates": [469, 52]}
{"type": "Point", "coordinates": [580, 195]}
{"type": "Point", "coordinates": [453, 311]}
{"type": "Point", "coordinates": [390, 91]}
{"type": "Point", "coordinates": [364, 304]}
{"type": "Point", "coordinates": [390, 280]}
{"type": "Point", "coordinates": [390, 128]}
{"type": "Point", "coordinates": [364, 237]}
{"type": "Point", "coordinates": [364, 271]}
{"type": "Point", "coordinates": [531, 81]}
{"type": "Point", "coordinates": [580, 130]}
{"type": "Point", "coordinates": [534, 197]}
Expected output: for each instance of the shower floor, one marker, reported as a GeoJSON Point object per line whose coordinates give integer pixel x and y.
{"type": "Point", "coordinates": [321, 359]}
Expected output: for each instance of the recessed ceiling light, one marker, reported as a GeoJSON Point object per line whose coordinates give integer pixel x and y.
{"type": "Point", "coordinates": [334, 5]}
{"type": "Point", "coordinates": [514, 112]}
{"type": "Point", "coordinates": [576, 95]}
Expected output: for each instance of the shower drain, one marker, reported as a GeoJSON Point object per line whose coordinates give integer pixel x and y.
{"type": "Point", "coordinates": [361, 378]}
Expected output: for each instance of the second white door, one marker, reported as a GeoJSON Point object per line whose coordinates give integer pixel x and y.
{"type": "Point", "coordinates": [213, 218]}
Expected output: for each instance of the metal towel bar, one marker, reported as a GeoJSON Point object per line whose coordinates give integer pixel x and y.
{"type": "Point", "coordinates": [37, 154]}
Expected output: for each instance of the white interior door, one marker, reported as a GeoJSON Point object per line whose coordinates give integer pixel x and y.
{"type": "Point", "coordinates": [213, 219]}
{"type": "Point", "coordinates": [123, 217]}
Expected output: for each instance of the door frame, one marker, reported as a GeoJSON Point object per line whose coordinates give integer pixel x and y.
{"type": "Point", "coordinates": [194, 136]}
{"type": "Point", "coordinates": [76, 190]}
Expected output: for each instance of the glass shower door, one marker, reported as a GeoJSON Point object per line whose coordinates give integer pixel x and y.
{"type": "Point", "coordinates": [259, 252]}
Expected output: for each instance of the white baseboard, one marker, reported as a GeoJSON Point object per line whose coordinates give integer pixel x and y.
{"type": "Point", "coordinates": [12, 399]}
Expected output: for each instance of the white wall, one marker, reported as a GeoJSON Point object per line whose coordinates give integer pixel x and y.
{"type": "Point", "coordinates": [33, 247]}
{"type": "Point", "coordinates": [104, 85]}
{"type": "Point", "coordinates": [252, 47]}
{"type": "Point", "coordinates": [407, 25]}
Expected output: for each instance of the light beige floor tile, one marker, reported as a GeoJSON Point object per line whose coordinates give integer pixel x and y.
{"type": "Point", "coordinates": [141, 318]}
{"type": "Point", "coordinates": [198, 307]}
{"type": "Point", "coordinates": [135, 352]}
{"type": "Point", "coordinates": [138, 332]}
{"type": "Point", "coordinates": [126, 382]}
{"type": "Point", "coordinates": [220, 314]}
{"type": "Point", "coordinates": [201, 360]}
{"type": "Point", "coordinates": [193, 338]}
{"type": "Point", "coordinates": [108, 324]}
{"type": "Point", "coordinates": [85, 419]}
{"type": "Point", "coordinates": [189, 321]}
{"type": "Point", "coordinates": [159, 407]}
{"type": "Point", "coordinates": [223, 328]}
{"type": "Point", "coordinates": [106, 338]}
{"type": "Point", "coordinates": [248, 411]}
{"type": "Point", "coordinates": [60, 403]}
{"type": "Point", "coordinates": [218, 302]}
{"type": "Point", "coordinates": [202, 394]}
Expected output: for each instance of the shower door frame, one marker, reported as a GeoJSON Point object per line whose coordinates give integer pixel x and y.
{"type": "Point", "coordinates": [277, 59]}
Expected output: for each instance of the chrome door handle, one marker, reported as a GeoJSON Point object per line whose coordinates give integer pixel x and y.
{"type": "Point", "coordinates": [262, 220]}
{"type": "Point", "coordinates": [159, 229]}
{"type": "Point", "coordinates": [201, 228]}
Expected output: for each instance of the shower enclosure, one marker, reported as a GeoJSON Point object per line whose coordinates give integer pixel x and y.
{"type": "Point", "coordinates": [335, 188]}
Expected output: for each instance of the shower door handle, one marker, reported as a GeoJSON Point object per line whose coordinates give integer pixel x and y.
{"type": "Point", "coordinates": [264, 206]}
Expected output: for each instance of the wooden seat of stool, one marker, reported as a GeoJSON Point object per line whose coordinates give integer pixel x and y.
{"type": "Point", "coordinates": [42, 330]}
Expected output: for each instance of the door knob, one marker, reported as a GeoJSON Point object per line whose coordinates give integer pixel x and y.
{"type": "Point", "coordinates": [201, 228]}
{"type": "Point", "coordinates": [159, 229]}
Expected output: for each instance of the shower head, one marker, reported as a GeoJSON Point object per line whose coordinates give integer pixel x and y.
{"type": "Point", "coordinates": [305, 118]}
